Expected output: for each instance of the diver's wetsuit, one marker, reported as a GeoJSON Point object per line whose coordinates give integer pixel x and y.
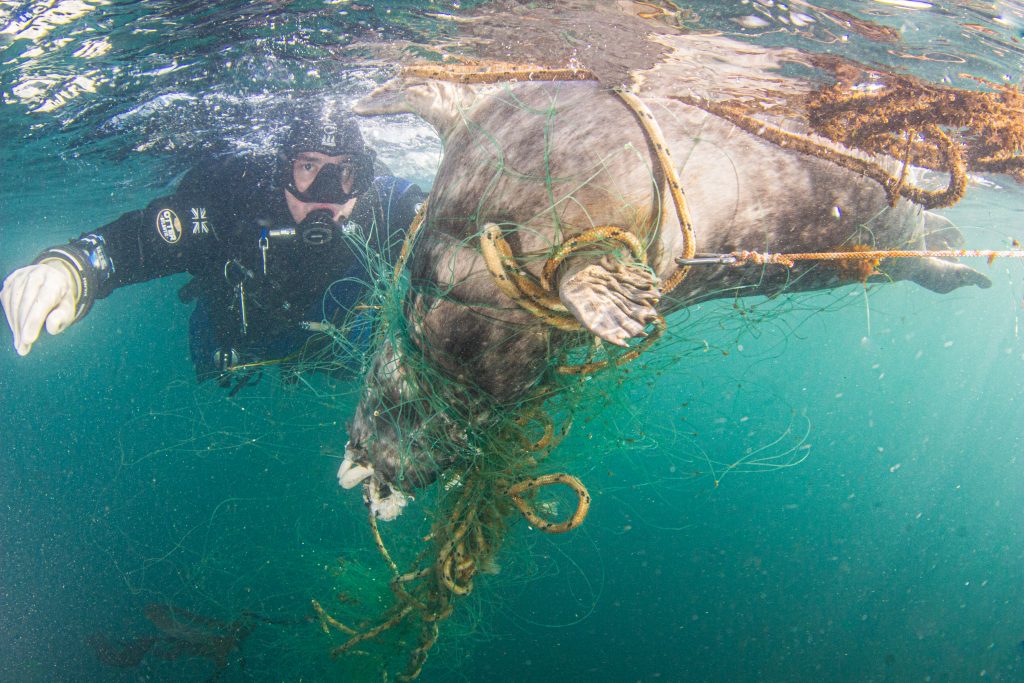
{"type": "Point", "coordinates": [212, 228]}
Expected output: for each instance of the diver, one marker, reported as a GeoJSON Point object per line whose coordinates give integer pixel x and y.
{"type": "Point", "coordinates": [277, 248]}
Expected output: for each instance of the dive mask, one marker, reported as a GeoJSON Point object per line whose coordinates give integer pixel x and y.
{"type": "Point", "coordinates": [329, 185]}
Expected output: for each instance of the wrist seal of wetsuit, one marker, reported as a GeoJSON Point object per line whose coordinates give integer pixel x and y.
{"type": "Point", "coordinates": [317, 228]}
{"type": "Point", "coordinates": [77, 262]}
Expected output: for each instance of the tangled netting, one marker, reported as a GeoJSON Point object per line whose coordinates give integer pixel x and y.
{"type": "Point", "coordinates": [496, 457]}
{"type": "Point", "coordinates": [496, 453]}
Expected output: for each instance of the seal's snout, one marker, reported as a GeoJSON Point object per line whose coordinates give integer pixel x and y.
{"type": "Point", "coordinates": [354, 468]}
{"type": "Point", "coordinates": [380, 492]}
{"type": "Point", "coordinates": [384, 453]}
{"type": "Point", "coordinates": [384, 501]}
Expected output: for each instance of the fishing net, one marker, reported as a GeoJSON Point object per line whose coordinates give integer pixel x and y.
{"type": "Point", "coordinates": [484, 470]}
{"type": "Point", "coordinates": [497, 459]}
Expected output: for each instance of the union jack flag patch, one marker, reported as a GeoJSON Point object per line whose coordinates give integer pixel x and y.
{"type": "Point", "coordinates": [199, 225]}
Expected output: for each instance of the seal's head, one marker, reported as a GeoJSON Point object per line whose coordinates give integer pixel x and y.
{"type": "Point", "coordinates": [392, 447]}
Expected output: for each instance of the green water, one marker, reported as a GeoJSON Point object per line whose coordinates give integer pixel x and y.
{"type": "Point", "coordinates": [892, 552]}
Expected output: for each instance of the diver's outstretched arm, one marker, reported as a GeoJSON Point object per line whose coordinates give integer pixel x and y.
{"type": "Point", "coordinates": [52, 291]}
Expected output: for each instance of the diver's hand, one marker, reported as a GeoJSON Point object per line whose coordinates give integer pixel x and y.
{"type": "Point", "coordinates": [44, 292]}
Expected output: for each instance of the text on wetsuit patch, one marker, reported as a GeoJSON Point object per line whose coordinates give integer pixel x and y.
{"type": "Point", "coordinates": [168, 225]}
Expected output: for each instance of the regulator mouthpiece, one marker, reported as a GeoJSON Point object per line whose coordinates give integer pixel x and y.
{"type": "Point", "coordinates": [317, 228]}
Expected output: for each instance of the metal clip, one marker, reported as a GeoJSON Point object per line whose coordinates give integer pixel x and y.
{"type": "Point", "coordinates": [281, 233]}
{"type": "Point", "coordinates": [236, 274]}
{"type": "Point", "coordinates": [240, 288]}
{"type": "Point", "coordinates": [264, 245]}
{"type": "Point", "coordinates": [707, 260]}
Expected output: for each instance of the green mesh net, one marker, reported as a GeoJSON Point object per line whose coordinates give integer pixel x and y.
{"type": "Point", "coordinates": [380, 603]}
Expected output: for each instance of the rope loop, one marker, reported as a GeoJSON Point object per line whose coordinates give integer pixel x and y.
{"type": "Point", "coordinates": [582, 506]}
{"type": "Point", "coordinates": [598, 234]}
{"type": "Point", "coordinates": [593, 366]}
{"type": "Point", "coordinates": [538, 416]}
{"type": "Point", "coordinates": [519, 285]}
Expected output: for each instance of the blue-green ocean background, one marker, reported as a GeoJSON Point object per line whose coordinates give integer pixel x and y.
{"type": "Point", "coordinates": [893, 552]}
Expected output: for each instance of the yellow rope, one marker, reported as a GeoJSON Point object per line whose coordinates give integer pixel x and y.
{"type": "Point", "coordinates": [758, 258]}
{"type": "Point", "coordinates": [495, 72]}
{"type": "Point", "coordinates": [657, 138]}
{"type": "Point", "coordinates": [379, 542]}
{"type": "Point", "coordinates": [544, 419]}
{"type": "Point", "coordinates": [582, 507]}
{"type": "Point", "coordinates": [512, 281]}
{"type": "Point", "coordinates": [598, 234]}
{"type": "Point", "coordinates": [373, 632]}
{"type": "Point", "coordinates": [327, 620]}
{"type": "Point", "coordinates": [410, 238]}
{"type": "Point", "coordinates": [418, 657]}
{"type": "Point", "coordinates": [592, 367]}
{"type": "Point", "coordinates": [539, 298]}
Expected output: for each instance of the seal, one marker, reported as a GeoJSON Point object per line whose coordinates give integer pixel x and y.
{"type": "Point", "coordinates": [542, 163]}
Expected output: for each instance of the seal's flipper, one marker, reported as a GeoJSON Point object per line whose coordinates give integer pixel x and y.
{"type": "Point", "coordinates": [442, 104]}
{"type": "Point", "coordinates": [940, 275]}
{"type": "Point", "coordinates": [614, 301]}
{"type": "Point", "coordinates": [936, 274]}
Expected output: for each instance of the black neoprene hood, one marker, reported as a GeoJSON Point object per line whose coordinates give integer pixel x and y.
{"type": "Point", "coordinates": [330, 129]}
{"type": "Point", "coordinates": [326, 128]}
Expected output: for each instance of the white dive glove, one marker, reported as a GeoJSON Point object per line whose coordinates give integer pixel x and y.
{"type": "Point", "coordinates": [43, 292]}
